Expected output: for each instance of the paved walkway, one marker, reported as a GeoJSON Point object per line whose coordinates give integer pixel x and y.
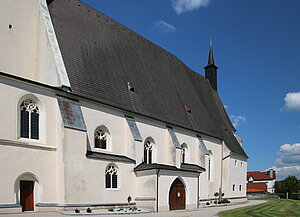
{"type": "Point", "coordinates": [205, 212]}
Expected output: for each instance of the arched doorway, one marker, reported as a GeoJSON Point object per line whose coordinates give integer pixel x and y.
{"type": "Point", "coordinates": [177, 195]}
{"type": "Point", "coordinates": [28, 191]}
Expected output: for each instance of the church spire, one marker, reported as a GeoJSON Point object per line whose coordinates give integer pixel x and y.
{"type": "Point", "coordinates": [211, 68]}
{"type": "Point", "coordinates": [211, 60]}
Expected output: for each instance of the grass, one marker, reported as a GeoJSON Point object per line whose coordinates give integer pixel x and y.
{"type": "Point", "coordinates": [273, 208]}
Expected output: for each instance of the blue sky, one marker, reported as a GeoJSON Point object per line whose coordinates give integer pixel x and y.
{"type": "Point", "coordinates": [257, 49]}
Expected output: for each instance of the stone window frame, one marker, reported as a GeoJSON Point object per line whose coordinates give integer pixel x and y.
{"type": "Point", "coordinates": [105, 135]}
{"type": "Point", "coordinates": [32, 103]}
{"type": "Point", "coordinates": [112, 177]}
{"type": "Point", "coordinates": [148, 150]}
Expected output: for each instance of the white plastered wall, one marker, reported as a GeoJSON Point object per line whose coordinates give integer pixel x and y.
{"type": "Point", "coordinates": [28, 159]}
{"type": "Point", "coordinates": [122, 143]}
{"type": "Point", "coordinates": [85, 178]}
{"type": "Point", "coordinates": [81, 180]}
{"type": "Point", "coordinates": [29, 48]}
{"type": "Point", "coordinates": [209, 187]}
{"type": "Point", "coordinates": [236, 168]}
{"type": "Point", "coordinates": [190, 181]}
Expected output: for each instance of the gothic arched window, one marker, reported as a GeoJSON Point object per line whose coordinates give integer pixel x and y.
{"type": "Point", "coordinates": [111, 176]}
{"type": "Point", "coordinates": [29, 118]}
{"type": "Point", "coordinates": [148, 149]}
{"type": "Point", "coordinates": [101, 138]}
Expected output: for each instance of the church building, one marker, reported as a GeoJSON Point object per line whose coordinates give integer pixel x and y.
{"type": "Point", "coordinates": [95, 113]}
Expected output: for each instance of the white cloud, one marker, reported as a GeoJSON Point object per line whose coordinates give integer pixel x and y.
{"type": "Point", "coordinates": [289, 155]}
{"type": "Point", "coordinates": [164, 26]}
{"type": "Point", "coordinates": [288, 162]}
{"type": "Point", "coordinates": [237, 120]}
{"type": "Point", "coordinates": [181, 6]}
{"type": "Point", "coordinates": [226, 107]}
{"type": "Point", "coordinates": [283, 172]}
{"type": "Point", "coordinates": [292, 101]}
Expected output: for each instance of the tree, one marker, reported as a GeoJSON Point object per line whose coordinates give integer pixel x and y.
{"type": "Point", "coordinates": [290, 184]}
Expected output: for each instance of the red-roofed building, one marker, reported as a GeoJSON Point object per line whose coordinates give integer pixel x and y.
{"type": "Point", "coordinates": [259, 187]}
{"type": "Point", "coordinates": [261, 181]}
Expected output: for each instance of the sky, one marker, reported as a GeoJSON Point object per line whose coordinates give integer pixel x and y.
{"type": "Point", "coordinates": [257, 49]}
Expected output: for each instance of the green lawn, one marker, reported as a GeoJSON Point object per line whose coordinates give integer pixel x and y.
{"type": "Point", "coordinates": [273, 208]}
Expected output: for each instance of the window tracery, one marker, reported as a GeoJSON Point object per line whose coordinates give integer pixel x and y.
{"type": "Point", "coordinates": [111, 177]}
{"type": "Point", "coordinates": [101, 139]}
{"type": "Point", "coordinates": [29, 119]}
{"type": "Point", "coordinates": [148, 148]}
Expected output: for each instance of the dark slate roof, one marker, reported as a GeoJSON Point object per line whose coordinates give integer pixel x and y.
{"type": "Point", "coordinates": [195, 167]}
{"type": "Point", "coordinates": [223, 112]}
{"type": "Point", "coordinates": [101, 56]}
{"type": "Point", "coordinates": [186, 168]}
{"type": "Point", "coordinates": [109, 157]}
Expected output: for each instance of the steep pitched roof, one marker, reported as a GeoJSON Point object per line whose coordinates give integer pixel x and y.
{"type": "Point", "coordinates": [258, 176]}
{"type": "Point", "coordinates": [102, 56]}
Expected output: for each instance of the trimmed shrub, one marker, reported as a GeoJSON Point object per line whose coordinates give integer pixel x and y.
{"type": "Point", "coordinates": [225, 201]}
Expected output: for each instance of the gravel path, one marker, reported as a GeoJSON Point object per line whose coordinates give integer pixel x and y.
{"type": "Point", "coordinates": [205, 212]}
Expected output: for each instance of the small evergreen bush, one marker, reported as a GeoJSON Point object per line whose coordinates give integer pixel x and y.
{"type": "Point", "coordinates": [225, 201]}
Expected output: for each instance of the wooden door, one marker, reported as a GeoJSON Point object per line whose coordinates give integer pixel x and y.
{"type": "Point", "coordinates": [26, 195]}
{"type": "Point", "coordinates": [177, 195]}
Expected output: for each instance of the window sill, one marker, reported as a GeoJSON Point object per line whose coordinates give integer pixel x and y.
{"type": "Point", "coordinates": [27, 143]}
{"type": "Point", "coordinates": [100, 150]}
{"type": "Point", "coordinates": [112, 189]}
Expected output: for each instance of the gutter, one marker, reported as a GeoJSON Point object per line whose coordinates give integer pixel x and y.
{"type": "Point", "coordinates": [157, 173]}
{"type": "Point", "coordinates": [198, 190]}
{"type": "Point", "coordinates": [221, 182]}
